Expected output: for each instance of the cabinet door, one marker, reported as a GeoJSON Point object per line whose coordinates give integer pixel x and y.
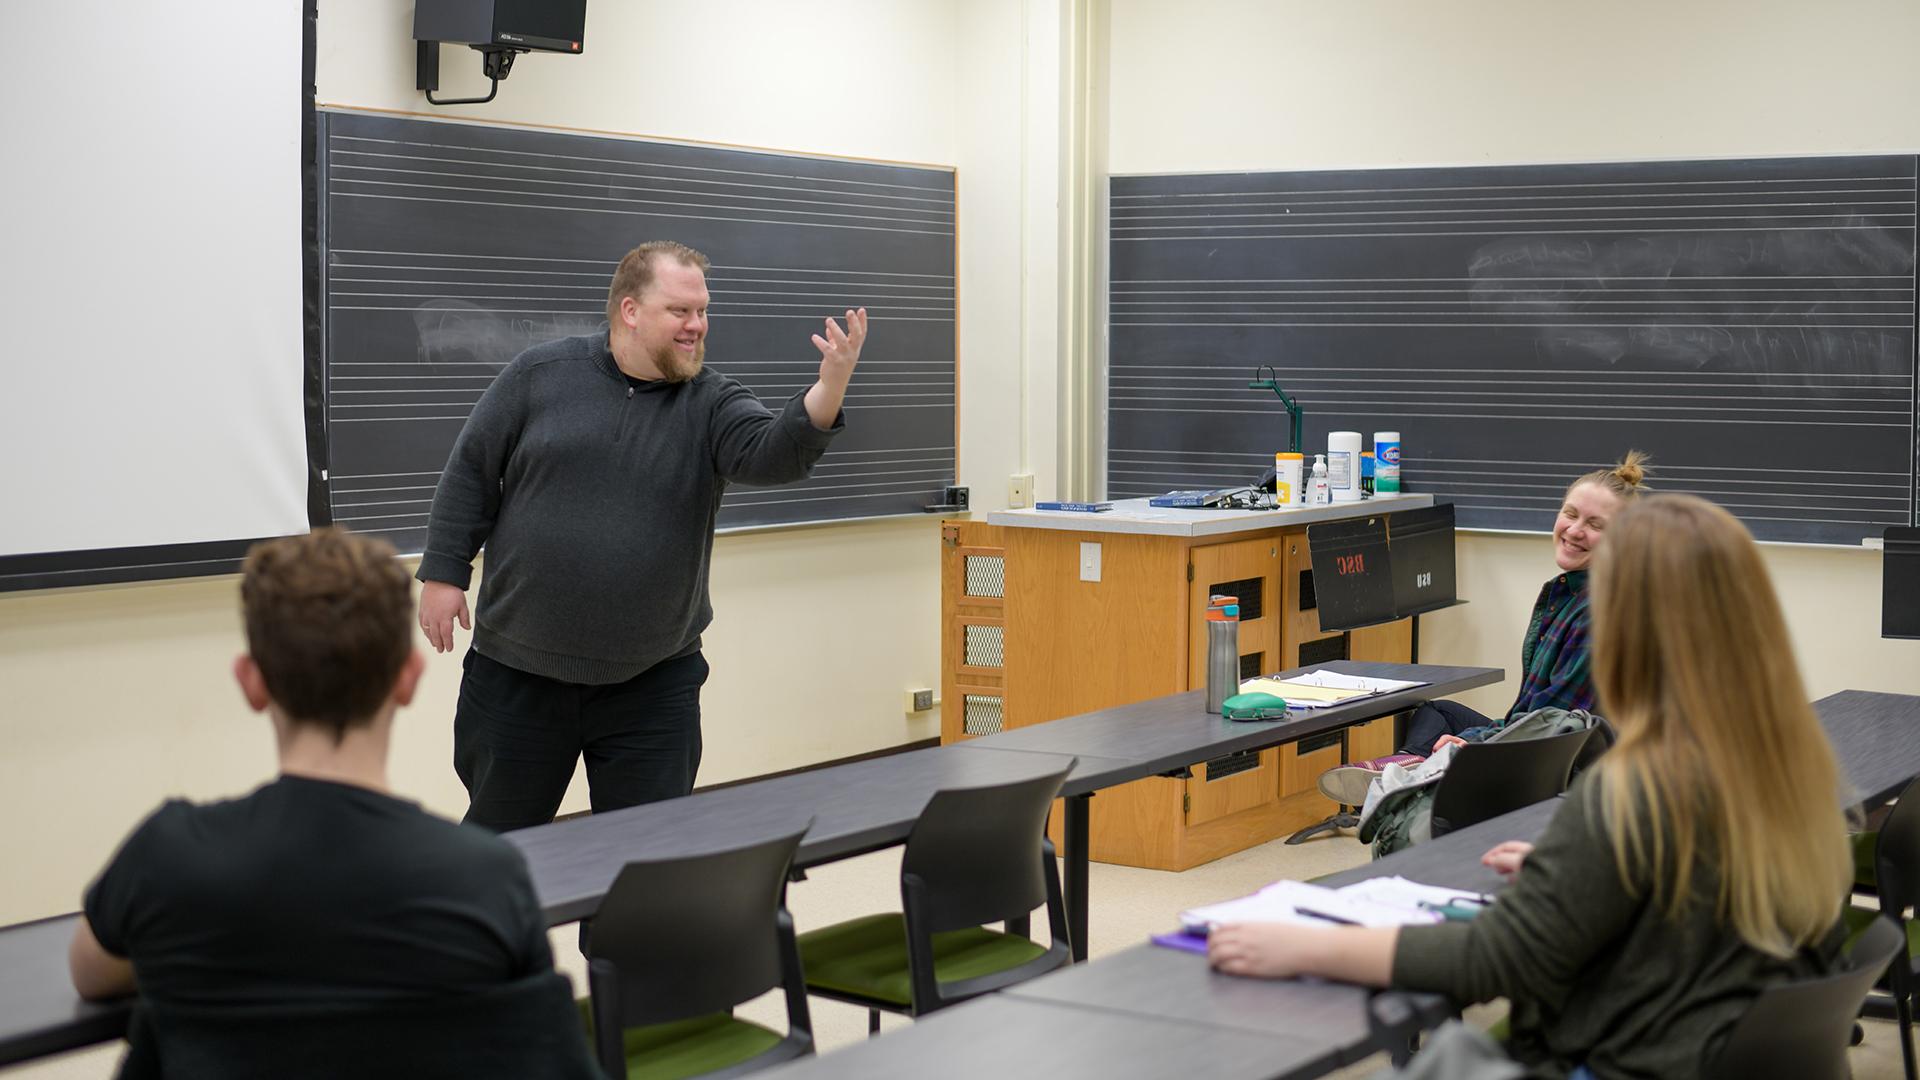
{"type": "Point", "coordinates": [1390, 643]}
{"type": "Point", "coordinates": [1231, 784]}
{"type": "Point", "coordinates": [1250, 570]}
{"type": "Point", "coordinates": [1301, 764]}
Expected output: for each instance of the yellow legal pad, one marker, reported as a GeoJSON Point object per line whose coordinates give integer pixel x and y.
{"type": "Point", "coordinates": [1299, 691]}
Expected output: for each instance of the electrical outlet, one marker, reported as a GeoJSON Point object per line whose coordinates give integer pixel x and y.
{"type": "Point", "coordinates": [1020, 490]}
{"type": "Point", "coordinates": [919, 700]}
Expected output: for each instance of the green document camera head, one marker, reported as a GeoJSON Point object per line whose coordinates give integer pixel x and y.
{"type": "Point", "coordinates": [1254, 707]}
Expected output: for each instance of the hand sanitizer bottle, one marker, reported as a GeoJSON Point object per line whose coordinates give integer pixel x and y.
{"type": "Point", "coordinates": [1317, 493]}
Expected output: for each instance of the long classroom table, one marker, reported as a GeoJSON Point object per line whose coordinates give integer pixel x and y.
{"type": "Point", "coordinates": [872, 804]}
{"type": "Point", "coordinates": [854, 808]}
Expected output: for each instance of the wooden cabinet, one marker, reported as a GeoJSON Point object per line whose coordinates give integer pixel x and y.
{"type": "Point", "coordinates": [1065, 645]}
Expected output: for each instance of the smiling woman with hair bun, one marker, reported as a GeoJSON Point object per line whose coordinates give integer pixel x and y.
{"type": "Point", "coordinates": [1554, 672]}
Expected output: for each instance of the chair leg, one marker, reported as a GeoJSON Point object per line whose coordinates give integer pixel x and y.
{"type": "Point", "coordinates": [873, 1023]}
{"type": "Point", "coordinates": [1903, 1010]}
{"type": "Point", "coordinates": [1341, 820]}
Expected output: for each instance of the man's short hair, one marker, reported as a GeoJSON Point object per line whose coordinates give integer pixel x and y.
{"type": "Point", "coordinates": [329, 622]}
{"type": "Point", "coordinates": [635, 272]}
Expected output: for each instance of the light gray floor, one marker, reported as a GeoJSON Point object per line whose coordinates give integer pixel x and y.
{"type": "Point", "coordinates": [1127, 906]}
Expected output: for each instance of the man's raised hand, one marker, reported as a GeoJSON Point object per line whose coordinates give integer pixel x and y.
{"type": "Point", "coordinates": [840, 349]}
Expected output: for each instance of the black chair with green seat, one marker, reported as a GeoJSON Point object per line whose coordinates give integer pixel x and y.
{"type": "Point", "coordinates": [1488, 779]}
{"type": "Point", "coordinates": [1799, 1029]}
{"type": "Point", "coordinates": [975, 856]}
{"type": "Point", "coordinates": [1896, 872]}
{"type": "Point", "coordinates": [675, 945]}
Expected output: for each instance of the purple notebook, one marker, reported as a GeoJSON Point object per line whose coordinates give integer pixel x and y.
{"type": "Point", "coordinates": [1182, 940]}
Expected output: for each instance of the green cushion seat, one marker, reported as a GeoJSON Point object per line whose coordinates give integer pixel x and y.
{"type": "Point", "coordinates": [868, 957]}
{"type": "Point", "coordinates": [686, 1048]}
{"type": "Point", "coordinates": [1859, 918]}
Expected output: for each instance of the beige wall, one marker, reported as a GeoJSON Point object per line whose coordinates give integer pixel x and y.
{"type": "Point", "coordinates": [113, 698]}
{"type": "Point", "coordinates": [1302, 84]}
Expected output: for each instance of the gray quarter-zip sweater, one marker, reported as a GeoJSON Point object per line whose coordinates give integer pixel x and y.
{"type": "Point", "coordinates": [595, 496]}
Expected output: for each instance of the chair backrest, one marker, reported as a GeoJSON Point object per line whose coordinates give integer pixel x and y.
{"type": "Point", "coordinates": [529, 1028]}
{"type": "Point", "coordinates": [695, 935]}
{"type": "Point", "coordinates": [1896, 855]}
{"type": "Point", "coordinates": [1800, 1029]}
{"type": "Point", "coordinates": [1600, 739]}
{"type": "Point", "coordinates": [1488, 779]}
{"type": "Point", "coordinates": [977, 853]}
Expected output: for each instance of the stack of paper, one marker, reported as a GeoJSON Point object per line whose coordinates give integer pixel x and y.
{"type": "Point", "coordinates": [1385, 901]}
{"type": "Point", "coordinates": [1319, 689]}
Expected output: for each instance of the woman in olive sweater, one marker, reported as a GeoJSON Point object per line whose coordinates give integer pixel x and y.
{"type": "Point", "coordinates": [1703, 857]}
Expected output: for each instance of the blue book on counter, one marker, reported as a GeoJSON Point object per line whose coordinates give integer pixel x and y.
{"type": "Point", "coordinates": [1192, 498]}
{"type": "Point", "coordinates": [1081, 507]}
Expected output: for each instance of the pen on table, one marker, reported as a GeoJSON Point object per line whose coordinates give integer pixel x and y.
{"type": "Point", "coordinates": [1339, 919]}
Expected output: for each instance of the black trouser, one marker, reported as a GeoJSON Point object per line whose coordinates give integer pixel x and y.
{"type": "Point", "coordinates": [516, 737]}
{"type": "Point", "coordinates": [1434, 719]}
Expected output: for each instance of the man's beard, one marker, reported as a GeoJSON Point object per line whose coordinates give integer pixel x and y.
{"type": "Point", "coordinates": [676, 367]}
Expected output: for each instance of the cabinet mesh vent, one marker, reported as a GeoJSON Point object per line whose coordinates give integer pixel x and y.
{"type": "Point", "coordinates": [1247, 589]}
{"type": "Point", "coordinates": [1251, 665]}
{"type": "Point", "coordinates": [986, 575]}
{"type": "Point", "coordinates": [1319, 652]}
{"type": "Point", "coordinates": [983, 645]}
{"type": "Point", "coordinates": [1232, 764]}
{"type": "Point", "coordinates": [980, 714]}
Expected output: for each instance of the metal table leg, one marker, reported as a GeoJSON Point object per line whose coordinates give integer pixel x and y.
{"type": "Point", "coordinates": [1074, 833]}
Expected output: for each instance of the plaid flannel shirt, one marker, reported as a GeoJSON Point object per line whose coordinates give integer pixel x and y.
{"type": "Point", "coordinates": [1553, 657]}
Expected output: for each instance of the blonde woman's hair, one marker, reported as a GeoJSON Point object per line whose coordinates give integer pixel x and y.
{"type": "Point", "coordinates": [1623, 479]}
{"type": "Point", "coordinates": [1721, 763]}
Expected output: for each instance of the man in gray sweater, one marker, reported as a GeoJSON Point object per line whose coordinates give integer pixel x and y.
{"type": "Point", "coordinates": [592, 470]}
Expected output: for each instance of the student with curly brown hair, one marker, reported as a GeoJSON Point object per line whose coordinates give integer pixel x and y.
{"type": "Point", "coordinates": [321, 887]}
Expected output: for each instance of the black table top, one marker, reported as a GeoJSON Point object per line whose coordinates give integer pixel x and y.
{"type": "Point", "coordinates": [1151, 981]}
{"type": "Point", "coordinates": [1002, 1036]}
{"type": "Point", "coordinates": [1453, 860]}
{"type": "Point", "coordinates": [39, 1012]}
{"type": "Point", "coordinates": [1877, 739]}
{"type": "Point", "coordinates": [1170, 732]}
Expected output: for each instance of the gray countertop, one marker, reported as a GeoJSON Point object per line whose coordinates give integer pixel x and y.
{"type": "Point", "coordinates": [1135, 517]}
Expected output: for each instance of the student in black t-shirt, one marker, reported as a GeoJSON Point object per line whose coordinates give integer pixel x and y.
{"type": "Point", "coordinates": [320, 887]}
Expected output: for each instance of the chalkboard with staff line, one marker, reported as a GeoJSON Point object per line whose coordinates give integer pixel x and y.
{"type": "Point", "coordinates": [448, 248]}
{"type": "Point", "coordinates": [1750, 323]}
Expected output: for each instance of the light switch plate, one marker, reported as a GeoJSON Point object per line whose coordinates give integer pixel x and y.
{"type": "Point", "coordinates": [1089, 562]}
